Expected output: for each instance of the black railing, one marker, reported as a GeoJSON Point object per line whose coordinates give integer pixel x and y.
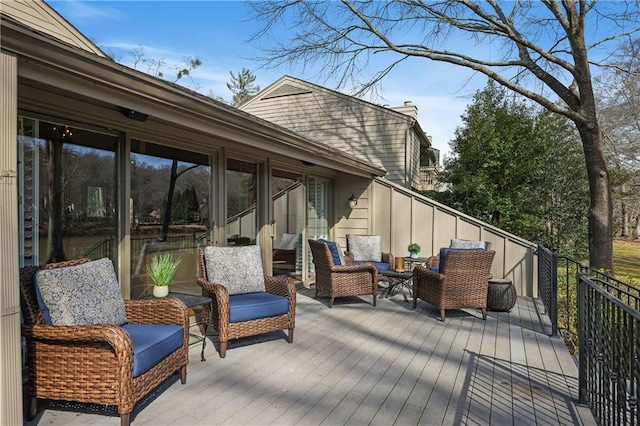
{"type": "Point", "coordinates": [609, 350]}
{"type": "Point", "coordinates": [558, 291]}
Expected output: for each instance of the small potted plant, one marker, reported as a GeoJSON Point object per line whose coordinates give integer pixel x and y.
{"type": "Point", "coordinates": [414, 249]}
{"type": "Point", "coordinates": [161, 271]}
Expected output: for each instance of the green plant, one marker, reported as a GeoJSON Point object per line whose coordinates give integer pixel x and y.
{"type": "Point", "coordinates": [162, 268]}
{"type": "Point", "coordinates": [414, 248]}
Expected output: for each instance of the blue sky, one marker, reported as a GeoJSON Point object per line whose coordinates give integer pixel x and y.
{"type": "Point", "coordinates": [218, 31]}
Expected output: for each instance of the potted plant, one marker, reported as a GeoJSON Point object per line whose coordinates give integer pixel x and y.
{"type": "Point", "coordinates": [414, 249]}
{"type": "Point", "coordinates": [161, 271]}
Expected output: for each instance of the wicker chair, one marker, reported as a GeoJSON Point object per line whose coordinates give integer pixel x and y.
{"type": "Point", "coordinates": [341, 281]}
{"type": "Point", "coordinates": [434, 261]}
{"type": "Point", "coordinates": [462, 282]}
{"type": "Point", "coordinates": [224, 303]}
{"type": "Point", "coordinates": [387, 260]}
{"type": "Point", "coordinates": [94, 363]}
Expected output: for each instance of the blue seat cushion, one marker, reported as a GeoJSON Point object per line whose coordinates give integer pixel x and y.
{"type": "Point", "coordinates": [445, 250]}
{"type": "Point", "coordinates": [380, 266]}
{"type": "Point", "coordinates": [250, 306]}
{"type": "Point", "coordinates": [152, 343]}
{"type": "Point", "coordinates": [335, 251]}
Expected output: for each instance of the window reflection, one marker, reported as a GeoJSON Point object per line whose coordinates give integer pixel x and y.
{"type": "Point", "coordinates": [67, 193]}
{"type": "Point", "coordinates": [169, 212]}
{"type": "Point", "coordinates": [241, 202]}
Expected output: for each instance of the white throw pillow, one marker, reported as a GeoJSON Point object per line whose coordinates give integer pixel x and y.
{"type": "Point", "coordinates": [467, 244]}
{"type": "Point", "coordinates": [365, 248]}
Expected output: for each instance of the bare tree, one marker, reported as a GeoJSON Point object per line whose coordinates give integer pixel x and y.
{"type": "Point", "coordinates": [544, 56]}
{"type": "Point", "coordinates": [618, 98]}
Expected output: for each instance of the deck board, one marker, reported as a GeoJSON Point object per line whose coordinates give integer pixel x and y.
{"type": "Point", "coordinates": [359, 364]}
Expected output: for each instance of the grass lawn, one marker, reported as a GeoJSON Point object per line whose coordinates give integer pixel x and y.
{"type": "Point", "coordinates": [626, 256]}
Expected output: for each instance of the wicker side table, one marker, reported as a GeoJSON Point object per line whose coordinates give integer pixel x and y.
{"type": "Point", "coordinates": [501, 295]}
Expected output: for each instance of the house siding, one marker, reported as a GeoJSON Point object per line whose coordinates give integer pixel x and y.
{"type": "Point", "coordinates": [40, 17]}
{"type": "Point", "coordinates": [373, 133]}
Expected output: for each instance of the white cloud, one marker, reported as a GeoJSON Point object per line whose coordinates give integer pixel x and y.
{"type": "Point", "coordinates": [75, 11]}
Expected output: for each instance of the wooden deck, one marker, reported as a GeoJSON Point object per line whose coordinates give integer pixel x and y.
{"type": "Point", "coordinates": [358, 364]}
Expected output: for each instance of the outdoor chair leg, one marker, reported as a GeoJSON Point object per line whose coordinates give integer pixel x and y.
{"type": "Point", "coordinates": [33, 408]}
{"type": "Point", "coordinates": [484, 314]}
{"type": "Point", "coordinates": [223, 349]}
{"type": "Point", "coordinates": [183, 375]}
{"type": "Point", "coordinates": [415, 302]}
{"type": "Point", "coordinates": [290, 337]}
{"type": "Point", "coordinates": [124, 419]}
{"type": "Point", "coordinates": [442, 314]}
{"type": "Point", "coordinates": [331, 302]}
{"type": "Point", "coordinates": [374, 299]}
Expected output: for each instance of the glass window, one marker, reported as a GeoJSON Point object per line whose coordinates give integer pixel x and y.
{"type": "Point", "coordinates": [289, 221]}
{"type": "Point", "coordinates": [68, 192]}
{"type": "Point", "coordinates": [169, 208]}
{"type": "Point", "coordinates": [241, 202]}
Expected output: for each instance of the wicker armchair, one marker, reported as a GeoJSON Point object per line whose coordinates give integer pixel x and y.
{"type": "Point", "coordinates": [356, 255]}
{"type": "Point", "coordinates": [434, 261]}
{"type": "Point", "coordinates": [94, 363]}
{"type": "Point", "coordinates": [462, 282]}
{"type": "Point", "coordinates": [228, 303]}
{"type": "Point", "coordinates": [341, 281]}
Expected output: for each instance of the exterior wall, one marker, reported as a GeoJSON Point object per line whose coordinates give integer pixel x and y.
{"type": "Point", "coordinates": [11, 371]}
{"type": "Point", "coordinates": [38, 15]}
{"type": "Point", "coordinates": [403, 217]}
{"type": "Point", "coordinates": [373, 133]}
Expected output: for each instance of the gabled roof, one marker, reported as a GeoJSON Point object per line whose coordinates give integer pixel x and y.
{"type": "Point", "coordinates": [291, 86]}
{"type": "Point", "coordinates": [43, 19]}
{"type": "Point", "coordinates": [80, 61]}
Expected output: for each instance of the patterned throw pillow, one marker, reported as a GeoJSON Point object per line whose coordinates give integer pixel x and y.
{"type": "Point", "coordinates": [239, 268]}
{"type": "Point", "coordinates": [82, 294]}
{"type": "Point", "coordinates": [289, 241]}
{"type": "Point", "coordinates": [365, 248]}
{"type": "Point", "coordinates": [467, 244]}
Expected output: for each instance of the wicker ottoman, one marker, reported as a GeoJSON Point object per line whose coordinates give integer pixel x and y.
{"type": "Point", "coordinates": [501, 295]}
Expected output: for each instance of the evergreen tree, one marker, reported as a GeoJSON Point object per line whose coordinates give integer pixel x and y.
{"type": "Point", "coordinates": [242, 87]}
{"type": "Point", "coordinates": [519, 168]}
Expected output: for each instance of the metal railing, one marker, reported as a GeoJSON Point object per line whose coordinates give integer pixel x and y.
{"type": "Point", "coordinates": [609, 349]}
{"type": "Point", "coordinates": [558, 290]}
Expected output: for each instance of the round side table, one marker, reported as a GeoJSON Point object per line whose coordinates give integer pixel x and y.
{"type": "Point", "coordinates": [501, 295]}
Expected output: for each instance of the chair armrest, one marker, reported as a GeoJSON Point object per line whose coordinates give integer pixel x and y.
{"type": "Point", "coordinates": [349, 260]}
{"type": "Point", "coordinates": [157, 311]}
{"type": "Point", "coordinates": [112, 335]}
{"type": "Point", "coordinates": [217, 292]}
{"type": "Point", "coordinates": [424, 273]}
{"type": "Point", "coordinates": [390, 259]}
{"type": "Point", "coordinates": [359, 267]}
{"type": "Point", "coordinates": [285, 287]}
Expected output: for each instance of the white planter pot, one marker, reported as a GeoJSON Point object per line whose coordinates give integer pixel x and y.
{"type": "Point", "coordinates": [160, 290]}
{"type": "Point", "coordinates": [413, 255]}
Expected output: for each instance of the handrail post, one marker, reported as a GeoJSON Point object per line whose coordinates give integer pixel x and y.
{"type": "Point", "coordinates": [583, 397]}
{"type": "Point", "coordinates": [553, 311]}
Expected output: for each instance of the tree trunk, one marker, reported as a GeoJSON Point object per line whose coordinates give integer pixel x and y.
{"type": "Point", "coordinates": [166, 217]}
{"type": "Point", "coordinates": [625, 218]}
{"type": "Point", "coordinates": [55, 248]}
{"type": "Point", "coordinates": [601, 208]}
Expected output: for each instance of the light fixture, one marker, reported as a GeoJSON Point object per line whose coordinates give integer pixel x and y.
{"type": "Point", "coordinates": [353, 201]}
{"type": "Point", "coordinates": [134, 115]}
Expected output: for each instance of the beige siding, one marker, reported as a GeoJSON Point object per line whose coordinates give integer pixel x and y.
{"type": "Point", "coordinates": [402, 216]}
{"type": "Point", "coordinates": [11, 373]}
{"type": "Point", "coordinates": [373, 133]}
{"type": "Point", "coordinates": [39, 16]}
